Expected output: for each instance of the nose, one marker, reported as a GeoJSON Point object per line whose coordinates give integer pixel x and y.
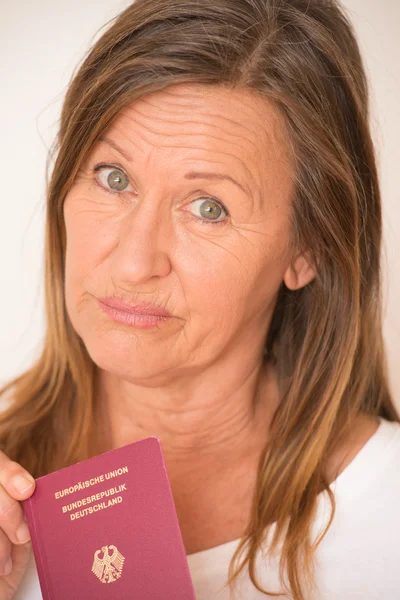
{"type": "Point", "coordinates": [142, 246]}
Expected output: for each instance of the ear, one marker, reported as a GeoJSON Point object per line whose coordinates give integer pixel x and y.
{"type": "Point", "coordinates": [299, 272]}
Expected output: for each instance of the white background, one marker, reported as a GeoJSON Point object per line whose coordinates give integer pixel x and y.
{"type": "Point", "coordinates": [41, 44]}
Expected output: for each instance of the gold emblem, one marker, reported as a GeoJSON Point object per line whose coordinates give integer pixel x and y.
{"type": "Point", "coordinates": [109, 567]}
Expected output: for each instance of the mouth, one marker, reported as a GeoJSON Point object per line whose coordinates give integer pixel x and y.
{"type": "Point", "coordinates": [141, 316]}
{"type": "Point", "coordinates": [143, 308]}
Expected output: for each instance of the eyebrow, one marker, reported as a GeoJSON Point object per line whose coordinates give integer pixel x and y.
{"type": "Point", "coordinates": [206, 175]}
{"type": "Point", "coordinates": [116, 147]}
{"type": "Point", "coordinates": [190, 174]}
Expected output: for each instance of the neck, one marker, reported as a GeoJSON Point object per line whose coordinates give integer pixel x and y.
{"type": "Point", "coordinates": [201, 423]}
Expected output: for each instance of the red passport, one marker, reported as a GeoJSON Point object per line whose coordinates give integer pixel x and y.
{"type": "Point", "coordinates": [107, 528]}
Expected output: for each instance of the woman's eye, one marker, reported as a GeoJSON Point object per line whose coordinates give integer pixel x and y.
{"type": "Point", "coordinates": [112, 179]}
{"type": "Point", "coordinates": [211, 211]}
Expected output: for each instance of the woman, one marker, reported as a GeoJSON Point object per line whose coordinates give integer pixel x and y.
{"type": "Point", "coordinates": [213, 278]}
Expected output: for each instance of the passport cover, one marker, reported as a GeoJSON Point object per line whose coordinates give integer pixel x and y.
{"type": "Point", "coordinates": [107, 527]}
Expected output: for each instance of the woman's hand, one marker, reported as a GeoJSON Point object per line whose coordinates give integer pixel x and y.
{"type": "Point", "coordinates": [15, 546]}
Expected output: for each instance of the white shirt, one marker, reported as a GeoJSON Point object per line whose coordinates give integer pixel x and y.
{"type": "Point", "coordinates": [359, 558]}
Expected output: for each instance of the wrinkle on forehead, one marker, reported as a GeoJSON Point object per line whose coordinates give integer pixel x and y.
{"type": "Point", "coordinates": [238, 124]}
{"type": "Point", "coordinates": [251, 115]}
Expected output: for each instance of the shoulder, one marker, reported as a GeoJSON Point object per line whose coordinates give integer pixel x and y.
{"type": "Point", "coordinates": [385, 434]}
{"type": "Point", "coordinates": [367, 489]}
{"type": "Point", "coordinates": [365, 429]}
{"type": "Point", "coordinates": [358, 557]}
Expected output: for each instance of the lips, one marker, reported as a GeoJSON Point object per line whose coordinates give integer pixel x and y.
{"type": "Point", "coordinates": [143, 308]}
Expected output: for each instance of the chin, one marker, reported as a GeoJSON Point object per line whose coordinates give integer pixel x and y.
{"type": "Point", "coordinates": [117, 353]}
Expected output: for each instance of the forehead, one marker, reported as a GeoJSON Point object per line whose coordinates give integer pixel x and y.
{"type": "Point", "coordinates": [236, 129]}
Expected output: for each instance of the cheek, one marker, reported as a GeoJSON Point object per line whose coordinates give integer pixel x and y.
{"type": "Point", "coordinates": [234, 280]}
{"type": "Point", "coordinates": [216, 276]}
{"type": "Point", "coordinates": [89, 233]}
{"type": "Point", "coordinates": [87, 242]}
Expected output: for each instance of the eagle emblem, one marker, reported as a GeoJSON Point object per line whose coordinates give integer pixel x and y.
{"type": "Point", "coordinates": [109, 567]}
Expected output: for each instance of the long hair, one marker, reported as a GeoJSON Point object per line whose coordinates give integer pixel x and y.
{"type": "Point", "coordinates": [326, 338]}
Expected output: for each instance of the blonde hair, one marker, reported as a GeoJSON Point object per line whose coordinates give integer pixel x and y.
{"type": "Point", "coordinates": [326, 338]}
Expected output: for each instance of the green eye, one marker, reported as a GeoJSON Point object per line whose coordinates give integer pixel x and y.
{"type": "Point", "coordinates": [117, 180]}
{"type": "Point", "coordinates": [210, 210]}
{"type": "Point", "coordinates": [114, 181]}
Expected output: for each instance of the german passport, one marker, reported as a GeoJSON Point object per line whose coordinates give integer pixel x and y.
{"type": "Point", "coordinates": [107, 527]}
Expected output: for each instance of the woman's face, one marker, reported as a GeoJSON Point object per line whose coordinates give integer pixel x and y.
{"type": "Point", "coordinates": [209, 250]}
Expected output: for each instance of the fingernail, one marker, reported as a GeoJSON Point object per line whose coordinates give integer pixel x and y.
{"type": "Point", "coordinates": [23, 533]}
{"type": "Point", "coordinates": [22, 483]}
{"type": "Point", "coordinates": [8, 567]}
